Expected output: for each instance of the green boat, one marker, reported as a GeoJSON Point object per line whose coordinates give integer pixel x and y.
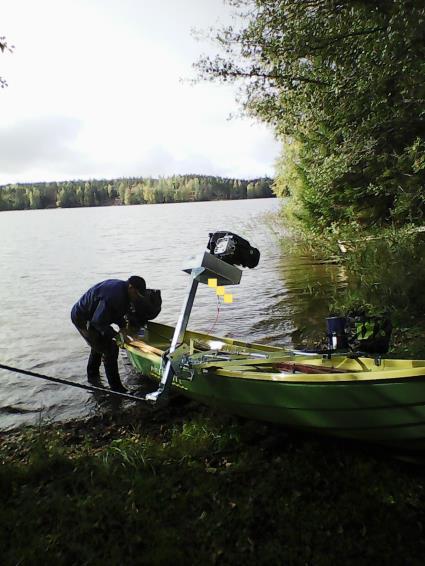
{"type": "Point", "coordinates": [371, 399]}
{"type": "Point", "coordinates": [378, 400]}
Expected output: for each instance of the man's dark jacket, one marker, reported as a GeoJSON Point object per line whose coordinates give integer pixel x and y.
{"type": "Point", "coordinates": [103, 304]}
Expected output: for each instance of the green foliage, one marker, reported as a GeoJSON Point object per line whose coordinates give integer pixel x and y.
{"type": "Point", "coordinates": [179, 188]}
{"type": "Point", "coordinates": [344, 80]}
{"type": "Point", "coordinates": [381, 272]}
{"type": "Point", "coordinates": [387, 274]}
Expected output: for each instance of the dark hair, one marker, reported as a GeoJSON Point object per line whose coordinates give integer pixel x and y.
{"type": "Point", "coordinates": [138, 283]}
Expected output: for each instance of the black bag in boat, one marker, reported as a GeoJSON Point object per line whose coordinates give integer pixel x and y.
{"type": "Point", "coordinates": [233, 249]}
{"type": "Point", "coordinates": [369, 334]}
{"type": "Point", "coordinates": [147, 308]}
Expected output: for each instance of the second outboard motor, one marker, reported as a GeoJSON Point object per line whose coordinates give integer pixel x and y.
{"type": "Point", "coordinates": [337, 338]}
{"type": "Point", "coordinates": [233, 249]}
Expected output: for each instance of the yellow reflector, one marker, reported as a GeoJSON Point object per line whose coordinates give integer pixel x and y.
{"type": "Point", "coordinates": [220, 291]}
{"type": "Point", "coordinates": [212, 282]}
{"type": "Point", "coordinates": [228, 298]}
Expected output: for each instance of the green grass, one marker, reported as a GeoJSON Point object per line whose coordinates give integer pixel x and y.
{"type": "Point", "coordinates": [187, 486]}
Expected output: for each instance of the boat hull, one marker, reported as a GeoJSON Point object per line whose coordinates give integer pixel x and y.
{"type": "Point", "coordinates": [383, 405]}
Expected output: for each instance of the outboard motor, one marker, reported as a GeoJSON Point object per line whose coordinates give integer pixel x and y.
{"type": "Point", "coordinates": [359, 332]}
{"type": "Point", "coordinates": [233, 249]}
{"type": "Point", "coordinates": [147, 308]}
{"type": "Point", "coordinates": [337, 338]}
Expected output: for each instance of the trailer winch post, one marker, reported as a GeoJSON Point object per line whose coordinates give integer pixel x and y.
{"type": "Point", "coordinates": [202, 268]}
{"type": "Point", "coordinates": [167, 374]}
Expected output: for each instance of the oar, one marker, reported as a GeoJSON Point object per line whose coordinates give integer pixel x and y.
{"type": "Point", "coordinates": [307, 368]}
{"type": "Point", "coordinates": [144, 347]}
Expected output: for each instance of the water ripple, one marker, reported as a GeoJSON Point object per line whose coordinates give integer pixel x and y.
{"type": "Point", "coordinates": [51, 257]}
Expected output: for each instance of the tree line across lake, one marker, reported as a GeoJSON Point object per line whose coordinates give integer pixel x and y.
{"type": "Point", "coordinates": [135, 190]}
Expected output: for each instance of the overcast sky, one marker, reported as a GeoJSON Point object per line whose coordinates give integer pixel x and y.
{"type": "Point", "coordinates": [95, 91]}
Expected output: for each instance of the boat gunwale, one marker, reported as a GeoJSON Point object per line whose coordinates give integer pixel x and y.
{"type": "Point", "coordinates": [360, 377]}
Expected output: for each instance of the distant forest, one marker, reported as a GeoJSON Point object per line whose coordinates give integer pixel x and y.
{"type": "Point", "coordinates": [136, 190]}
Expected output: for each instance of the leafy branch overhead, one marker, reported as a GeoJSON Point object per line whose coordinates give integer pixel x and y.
{"type": "Point", "coordinates": [341, 82]}
{"type": "Point", "coordinates": [4, 47]}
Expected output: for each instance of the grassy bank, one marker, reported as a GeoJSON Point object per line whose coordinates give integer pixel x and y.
{"type": "Point", "coordinates": [187, 486]}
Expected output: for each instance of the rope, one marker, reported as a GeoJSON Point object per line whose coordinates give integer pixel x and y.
{"type": "Point", "coordinates": [216, 318]}
{"type": "Point", "coordinates": [93, 388]}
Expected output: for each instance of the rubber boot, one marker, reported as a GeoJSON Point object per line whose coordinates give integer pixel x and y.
{"type": "Point", "coordinates": [93, 366]}
{"type": "Point", "coordinates": [110, 361]}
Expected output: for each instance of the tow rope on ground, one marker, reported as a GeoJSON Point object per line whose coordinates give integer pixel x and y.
{"type": "Point", "coordinates": [93, 388]}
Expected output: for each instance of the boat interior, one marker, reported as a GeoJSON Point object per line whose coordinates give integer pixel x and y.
{"type": "Point", "coordinates": [224, 353]}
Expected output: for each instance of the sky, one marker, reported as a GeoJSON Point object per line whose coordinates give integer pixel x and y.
{"type": "Point", "coordinates": [101, 89]}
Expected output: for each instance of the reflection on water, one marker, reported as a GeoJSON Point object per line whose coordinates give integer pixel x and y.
{"type": "Point", "coordinates": [310, 286]}
{"type": "Point", "coordinates": [50, 257]}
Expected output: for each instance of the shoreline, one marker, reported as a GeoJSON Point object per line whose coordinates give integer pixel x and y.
{"type": "Point", "coordinates": [185, 485]}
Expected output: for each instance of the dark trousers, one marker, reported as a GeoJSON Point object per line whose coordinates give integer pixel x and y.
{"type": "Point", "coordinates": [101, 347]}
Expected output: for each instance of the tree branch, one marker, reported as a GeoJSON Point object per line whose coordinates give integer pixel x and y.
{"type": "Point", "coordinates": [338, 38]}
{"type": "Point", "coordinates": [239, 74]}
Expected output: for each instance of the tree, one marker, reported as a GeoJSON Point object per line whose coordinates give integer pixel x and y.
{"type": "Point", "coordinates": [344, 81]}
{"type": "Point", "coordinates": [121, 191]}
{"type": "Point", "coordinates": [4, 47]}
{"type": "Point", "coordinates": [21, 200]}
{"type": "Point", "coordinates": [149, 194]}
{"type": "Point", "coordinates": [137, 190]}
{"type": "Point", "coordinates": [34, 198]}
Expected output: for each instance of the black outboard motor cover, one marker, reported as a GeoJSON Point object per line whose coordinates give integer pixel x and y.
{"type": "Point", "coordinates": [233, 249]}
{"type": "Point", "coordinates": [147, 308]}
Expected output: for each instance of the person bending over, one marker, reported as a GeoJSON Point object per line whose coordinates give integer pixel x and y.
{"type": "Point", "coordinates": [106, 303]}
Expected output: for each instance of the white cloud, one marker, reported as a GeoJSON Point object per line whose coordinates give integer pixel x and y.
{"type": "Point", "coordinates": [95, 90]}
{"type": "Point", "coordinates": [36, 143]}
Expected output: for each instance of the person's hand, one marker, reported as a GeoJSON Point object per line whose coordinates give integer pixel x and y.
{"type": "Point", "coordinates": [120, 339]}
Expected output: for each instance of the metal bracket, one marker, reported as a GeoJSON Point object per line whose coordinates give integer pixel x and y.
{"type": "Point", "coordinates": [181, 364]}
{"type": "Point", "coordinates": [201, 268]}
{"type": "Point", "coordinates": [168, 373]}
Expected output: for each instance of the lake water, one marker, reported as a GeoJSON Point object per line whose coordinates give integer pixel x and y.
{"type": "Point", "coordinates": [49, 258]}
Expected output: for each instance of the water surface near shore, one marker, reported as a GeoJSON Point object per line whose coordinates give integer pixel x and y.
{"type": "Point", "coordinates": [49, 258]}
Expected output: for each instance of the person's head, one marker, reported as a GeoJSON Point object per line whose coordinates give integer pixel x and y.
{"type": "Point", "coordinates": [136, 288]}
